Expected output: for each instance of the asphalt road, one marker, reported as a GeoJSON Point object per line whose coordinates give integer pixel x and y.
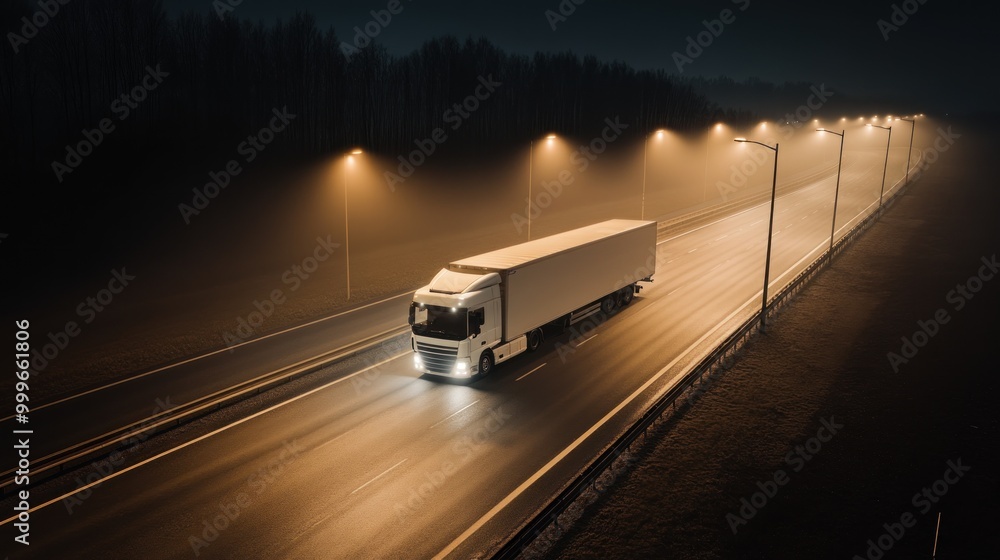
{"type": "Point", "coordinates": [402, 466]}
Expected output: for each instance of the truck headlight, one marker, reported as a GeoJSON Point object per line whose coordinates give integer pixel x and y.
{"type": "Point", "coordinates": [462, 368]}
{"type": "Point", "coordinates": [417, 362]}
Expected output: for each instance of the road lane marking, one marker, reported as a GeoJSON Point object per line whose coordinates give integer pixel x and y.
{"type": "Point", "coordinates": [530, 372]}
{"type": "Point", "coordinates": [385, 472]}
{"type": "Point", "coordinates": [711, 223]}
{"type": "Point", "coordinates": [692, 250]}
{"type": "Point", "coordinates": [214, 352]}
{"type": "Point", "coordinates": [324, 444]}
{"type": "Point", "coordinates": [453, 414]}
{"type": "Point", "coordinates": [586, 340]}
{"type": "Point", "coordinates": [198, 439]}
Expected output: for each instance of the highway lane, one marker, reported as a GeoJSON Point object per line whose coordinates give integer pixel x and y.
{"type": "Point", "coordinates": [405, 466]}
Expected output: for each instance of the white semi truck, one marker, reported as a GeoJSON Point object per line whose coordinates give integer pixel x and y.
{"type": "Point", "coordinates": [486, 309]}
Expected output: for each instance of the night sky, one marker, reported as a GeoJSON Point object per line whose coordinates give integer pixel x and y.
{"type": "Point", "coordinates": [941, 57]}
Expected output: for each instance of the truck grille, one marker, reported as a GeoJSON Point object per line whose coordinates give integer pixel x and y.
{"type": "Point", "coordinates": [437, 359]}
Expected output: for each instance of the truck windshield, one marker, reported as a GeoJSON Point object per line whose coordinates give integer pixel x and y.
{"type": "Point", "coordinates": [450, 323]}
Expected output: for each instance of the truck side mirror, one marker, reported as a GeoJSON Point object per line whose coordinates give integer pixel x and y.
{"type": "Point", "coordinates": [410, 318]}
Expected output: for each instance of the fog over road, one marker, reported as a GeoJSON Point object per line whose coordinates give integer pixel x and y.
{"type": "Point", "coordinates": [398, 465]}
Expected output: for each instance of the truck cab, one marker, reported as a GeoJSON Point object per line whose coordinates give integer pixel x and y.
{"type": "Point", "coordinates": [454, 320]}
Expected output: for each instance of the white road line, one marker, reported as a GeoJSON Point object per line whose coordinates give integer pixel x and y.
{"type": "Point", "coordinates": [755, 223]}
{"type": "Point", "coordinates": [586, 340]}
{"type": "Point", "coordinates": [692, 250]}
{"type": "Point", "coordinates": [116, 474]}
{"type": "Point", "coordinates": [196, 358]}
{"type": "Point", "coordinates": [795, 266]}
{"type": "Point", "coordinates": [710, 224]}
{"type": "Point", "coordinates": [530, 372]}
{"type": "Point", "coordinates": [721, 238]}
{"type": "Point", "coordinates": [385, 472]}
{"type": "Point", "coordinates": [555, 460]}
{"type": "Point", "coordinates": [322, 445]}
{"type": "Point", "coordinates": [452, 415]}
{"type": "Point", "coordinates": [864, 213]}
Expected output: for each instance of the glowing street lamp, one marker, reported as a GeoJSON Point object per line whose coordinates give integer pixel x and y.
{"type": "Point", "coordinates": [770, 229]}
{"type": "Point", "coordinates": [349, 162]}
{"type": "Point", "coordinates": [718, 129]}
{"type": "Point", "coordinates": [645, 148]}
{"type": "Point", "coordinates": [886, 166]}
{"type": "Point", "coordinates": [836, 192]}
{"type": "Point", "coordinates": [550, 140]}
{"type": "Point", "coordinates": [913, 127]}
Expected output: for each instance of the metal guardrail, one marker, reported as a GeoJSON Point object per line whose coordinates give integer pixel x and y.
{"type": "Point", "coordinates": [720, 358]}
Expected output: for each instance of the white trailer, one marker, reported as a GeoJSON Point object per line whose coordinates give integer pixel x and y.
{"type": "Point", "coordinates": [486, 309]}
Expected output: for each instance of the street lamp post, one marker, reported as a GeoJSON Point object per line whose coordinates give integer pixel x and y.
{"type": "Point", "coordinates": [645, 149]}
{"type": "Point", "coordinates": [836, 192]}
{"type": "Point", "coordinates": [913, 127]}
{"type": "Point", "coordinates": [717, 128]}
{"type": "Point", "coordinates": [770, 229]}
{"type": "Point", "coordinates": [531, 156]}
{"type": "Point", "coordinates": [886, 165]}
{"type": "Point", "coordinates": [349, 160]}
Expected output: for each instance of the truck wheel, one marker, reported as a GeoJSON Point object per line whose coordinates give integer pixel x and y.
{"type": "Point", "coordinates": [534, 340]}
{"type": "Point", "coordinates": [608, 304]}
{"type": "Point", "coordinates": [628, 294]}
{"type": "Point", "coordinates": [485, 363]}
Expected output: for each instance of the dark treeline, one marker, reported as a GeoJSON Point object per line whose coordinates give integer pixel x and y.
{"type": "Point", "coordinates": [785, 101]}
{"type": "Point", "coordinates": [227, 74]}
